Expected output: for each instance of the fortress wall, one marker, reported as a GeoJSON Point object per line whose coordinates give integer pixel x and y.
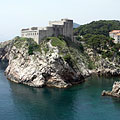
{"type": "Point", "coordinates": [68, 29]}
{"type": "Point", "coordinates": [30, 34]}
{"type": "Point", "coordinates": [24, 33]}
{"type": "Point", "coordinates": [55, 28]}
{"type": "Point", "coordinates": [51, 23]}
{"type": "Point", "coordinates": [50, 31]}
{"type": "Point", "coordinates": [58, 30]}
{"type": "Point", "coordinates": [35, 37]}
{"type": "Point", "coordinates": [45, 33]}
{"type": "Point", "coordinates": [42, 34]}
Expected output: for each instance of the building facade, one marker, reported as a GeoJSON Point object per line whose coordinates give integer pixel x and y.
{"type": "Point", "coordinates": [55, 28]}
{"type": "Point", "coordinates": [115, 34]}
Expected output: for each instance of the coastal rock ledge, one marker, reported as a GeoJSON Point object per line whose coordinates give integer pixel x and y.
{"type": "Point", "coordinates": [115, 91]}
{"type": "Point", "coordinates": [41, 65]}
{"type": "Point", "coordinates": [56, 62]}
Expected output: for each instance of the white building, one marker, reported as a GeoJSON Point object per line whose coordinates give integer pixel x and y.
{"type": "Point", "coordinates": [115, 34]}
{"type": "Point", "coordinates": [55, 28]}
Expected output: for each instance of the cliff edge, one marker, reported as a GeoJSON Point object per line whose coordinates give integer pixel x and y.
{"type": "Point", "coordinates": [48, 64]}
{"type": "Point", "coordinates": [56, 62]}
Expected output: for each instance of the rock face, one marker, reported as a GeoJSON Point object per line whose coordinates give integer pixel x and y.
{"type": "Point", "coordinates": [5, 48]}
{"type": "Point", "coordinates": [103, 66]}
{"type": "Point", "coordinates": [42, 67]}
{"type": "Point", "coordinates": [115, 90]}
{"type": "Point", "coordinates": [54, 63]}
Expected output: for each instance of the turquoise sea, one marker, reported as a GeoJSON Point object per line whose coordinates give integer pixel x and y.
{"type": "Point", "coordinates": [80, 102]}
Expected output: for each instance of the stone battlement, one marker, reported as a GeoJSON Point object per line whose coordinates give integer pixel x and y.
{"type": "Point", "coordinates": [55, 28]}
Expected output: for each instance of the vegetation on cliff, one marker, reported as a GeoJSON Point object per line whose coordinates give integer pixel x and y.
{"type": "Point", "coordinates": [32, 46]}
{"type": "Point", "coordinates": [69, 51]}
{"type": "Point", "coordinates": [95, 35]}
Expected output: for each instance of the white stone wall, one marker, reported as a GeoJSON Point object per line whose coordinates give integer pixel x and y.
{"type": "Point", "coordinates": [115, 35]}
{"type": "Point", "coordinates": [118, 38]}
{"type": "Point", "coordinates": [111, 35]}
{"type": "Point", "coordinates": [115, 39]}
{"type": "Point", "coordinates": [31, 34]}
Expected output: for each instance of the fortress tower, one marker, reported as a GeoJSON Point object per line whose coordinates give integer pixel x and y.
{"type": "Point", "coordinates": [55, 28]}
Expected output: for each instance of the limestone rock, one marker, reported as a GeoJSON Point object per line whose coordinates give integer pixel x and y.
{"type": "Point", "coordinates": [5, 48]}
{"type": "Point", "coordinates": [42, 68]}
{"type": "Point", "coordinates": [115, 91]}
{"type": "Point", "coordinates": [53, 64]}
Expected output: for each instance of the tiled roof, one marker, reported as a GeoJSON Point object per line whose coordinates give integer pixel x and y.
{"type": "Point", "coordinates": [115, 31]}
{"type": "Point", "coordinates": [118, 34]}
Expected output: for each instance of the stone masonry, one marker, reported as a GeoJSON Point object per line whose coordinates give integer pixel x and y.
{"type": "Point", "coordinates": [55, 28]}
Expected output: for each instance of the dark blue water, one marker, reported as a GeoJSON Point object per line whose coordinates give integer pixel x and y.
{"type": "Point", "coordinates": [81, 102]}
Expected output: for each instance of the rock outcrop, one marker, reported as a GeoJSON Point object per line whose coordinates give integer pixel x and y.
{"type": "Point", "coordinates": [40, 66]}
{"type": "Point", "coordinates": [115, 91]}
{"type": "Point", "coordinates": [5, 48]}
{"type": "Point", "coordinates": [55, 62]}
{"type": "Point", "coordinates": [103, 66]}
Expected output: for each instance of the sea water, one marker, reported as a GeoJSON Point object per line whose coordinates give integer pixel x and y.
{"type": "Point", "coordinates": [80, 102]}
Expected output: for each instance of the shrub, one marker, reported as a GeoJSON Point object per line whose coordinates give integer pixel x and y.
{"type": "Point", "coordinates": [81, 47]}
{"type": "Point", "coordinates": [91, 65]}
{"type": "Point", "coordinates": [46, 49]}
{"type": "Point", "coordinates": [32, 48]}
{"type": "Point", "coordinates": [68, 59]}
{"type": "Point", "coordinates": [57, 42]}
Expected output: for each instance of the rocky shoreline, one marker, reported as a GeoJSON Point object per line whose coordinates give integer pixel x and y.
{"type": "Point", "coordinates": [106, 72]}
{"type": "Point", "coordinates": [115, 91]}
{"type": "Point", "coordinates": [40, 68]}
{"type": "Point", "coordinates": [50, 65]}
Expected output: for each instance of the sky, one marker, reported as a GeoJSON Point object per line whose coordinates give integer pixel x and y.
{"type": "Point", "coordinates": [18, 14]}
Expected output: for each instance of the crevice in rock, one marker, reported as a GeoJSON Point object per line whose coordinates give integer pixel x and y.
{"type": "Point", "coordinates": [34, 77]}
{"type": "Point", "coordinates": [46, 76]}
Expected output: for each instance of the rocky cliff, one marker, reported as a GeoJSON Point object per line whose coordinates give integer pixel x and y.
{"type": "Point", "coordinates": [103, 66]}
{"type": "Point", "coordinates": [47, 64]}
{"type": "Point", "coordinates": [5, 48]}
{"type": "Point", "coordinates": [56, 62]}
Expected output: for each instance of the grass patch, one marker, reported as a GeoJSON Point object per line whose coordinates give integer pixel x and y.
{"type": "Point", "coordinates": [46, 49]}
{"type": "Point", "coordinates": [57, 42]}
{"type": "Point", "coordinates": [19, 41]}
{"type": "Point", "coordinates": [15, 57]}
{"type": "Point", "coordinates": [91, 65]}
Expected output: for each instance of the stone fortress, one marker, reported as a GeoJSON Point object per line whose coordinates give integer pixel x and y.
{"type": "Point", "coordinates": [55, 28]}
